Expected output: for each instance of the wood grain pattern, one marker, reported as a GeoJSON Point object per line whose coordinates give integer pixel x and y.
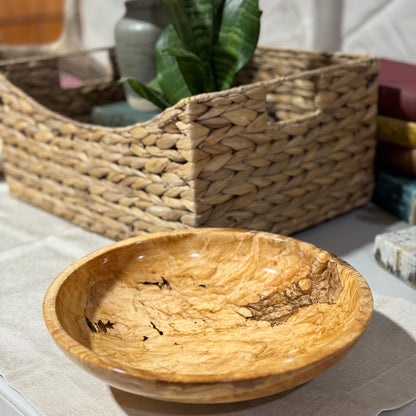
{"type": "Point", "coordinates": [207, 315]}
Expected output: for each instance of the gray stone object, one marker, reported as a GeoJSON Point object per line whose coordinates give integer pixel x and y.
{"type": "Point", "coordinates": [396, 252]}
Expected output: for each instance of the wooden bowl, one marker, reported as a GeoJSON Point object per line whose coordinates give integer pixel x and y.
{"type": "Point", "coordinates": [207, 315]}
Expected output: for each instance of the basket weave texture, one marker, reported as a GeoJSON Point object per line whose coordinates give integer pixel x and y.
{"type": "Point", "coordinates": [290, 147]}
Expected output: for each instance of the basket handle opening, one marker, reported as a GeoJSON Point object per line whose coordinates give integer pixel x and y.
{"type": "Point", "coordinates": [84, 67]}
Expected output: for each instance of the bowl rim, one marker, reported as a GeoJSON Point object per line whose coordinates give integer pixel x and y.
{"type": "Point", "coordinates": [89, 358]}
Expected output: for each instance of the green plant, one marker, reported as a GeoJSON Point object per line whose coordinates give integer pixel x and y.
{"type": "Point", "coordinates": [202, 50]}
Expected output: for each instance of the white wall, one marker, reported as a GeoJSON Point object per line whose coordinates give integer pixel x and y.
{"type": "Point", "coordinates": [98, 20]}
{"type": "Point", "coordinates": [386, 28]}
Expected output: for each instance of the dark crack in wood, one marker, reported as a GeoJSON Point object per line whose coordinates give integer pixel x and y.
{"type": "Point", "coordinates": [156, 328]}
{"type": "Point", "coordinates": [91, 326]}
{"type": "Point", "coordinates": [99, 326]}
{"type": "Point", "coordinates": [109, 325]}
{"type": "Point", "coordinates": [160, 285]}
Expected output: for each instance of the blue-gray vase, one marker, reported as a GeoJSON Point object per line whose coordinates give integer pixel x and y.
{"type": "Point", "coordinates": [136, 34]}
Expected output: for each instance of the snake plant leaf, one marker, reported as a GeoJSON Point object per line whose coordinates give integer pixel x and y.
{"type": "Point", "coordinates": [237, 39]}
{"type": "Point", "coordinates": [193, 71]}
{"type": "Point", "coordinates": [154, 85]}
{"type": "Point", "coordinates": [217, 10]}
{"type": "Point", "coordinates": [177, 13]}
{"type": "Point", "coordinates": [204, 47]}
{"type": "Point", "coordinates": [169, 75]}
{"type": "Point", "coordinates": [146, 92]}
{"type": "Point", "coordinates": [193, 21]}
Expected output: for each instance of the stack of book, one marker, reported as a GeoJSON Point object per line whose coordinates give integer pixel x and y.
{"type": "Point", "coordinates": [395, 188]}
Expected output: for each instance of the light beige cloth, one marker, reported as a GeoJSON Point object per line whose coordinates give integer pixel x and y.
{"type": "Point", "coordinates": [379, 373]}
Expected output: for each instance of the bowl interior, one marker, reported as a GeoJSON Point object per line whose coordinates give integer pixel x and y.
{"type": "Point", "coordinates": [212, 304]}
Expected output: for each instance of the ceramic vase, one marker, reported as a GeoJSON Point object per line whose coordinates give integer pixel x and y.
{"type": "Point", "coordinates": [136, 34]}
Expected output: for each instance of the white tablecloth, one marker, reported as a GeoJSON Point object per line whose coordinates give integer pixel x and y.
{"type": "Point", "coordinates": [378, 374]}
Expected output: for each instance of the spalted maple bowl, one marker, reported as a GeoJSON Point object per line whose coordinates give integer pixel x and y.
{"type": "Point", "coordinates": [207, 315]}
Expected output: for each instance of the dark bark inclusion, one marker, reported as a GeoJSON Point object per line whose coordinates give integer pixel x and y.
{"type": "Point", "coordinates": [321, 285]}
{"type": "Point", "coordinates": [99, 326]}
{"type": "Point", "coordinates": [163, 284]}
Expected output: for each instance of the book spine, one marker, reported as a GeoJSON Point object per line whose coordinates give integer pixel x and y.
{"type": "Point", "coordinates": [396, 131]}
{"type": "Point", "coordinates": [397, 102]}
{"type": "Point", "coordinates": [396, 194]}
{"type": "Point", "coordinates": [401, 159]}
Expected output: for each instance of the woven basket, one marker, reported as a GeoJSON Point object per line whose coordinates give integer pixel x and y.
{"type": "Point", "coordinates": [291, 147]}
